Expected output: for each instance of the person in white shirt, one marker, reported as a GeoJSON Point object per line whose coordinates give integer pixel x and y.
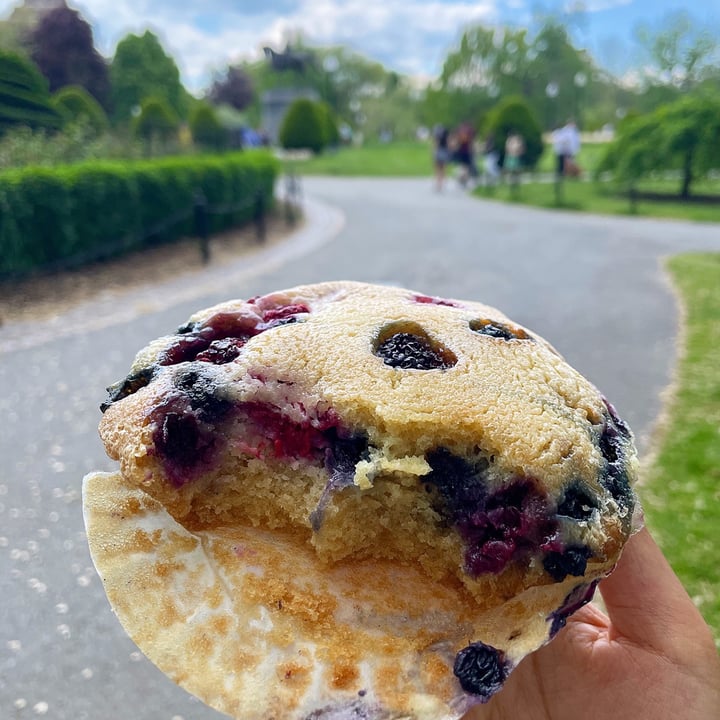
{"type": "Point", "coordinates": [566, 145]}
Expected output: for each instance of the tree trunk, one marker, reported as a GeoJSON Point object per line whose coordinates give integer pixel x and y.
{"type": "Point", "coordinates": [687, 175]}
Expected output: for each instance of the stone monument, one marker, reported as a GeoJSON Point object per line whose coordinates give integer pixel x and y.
{"type": "Point", "coordinates": [275, 102]}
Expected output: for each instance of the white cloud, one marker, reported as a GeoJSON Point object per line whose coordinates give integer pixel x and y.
{"type": "Point", "coordinates": [411, 36]}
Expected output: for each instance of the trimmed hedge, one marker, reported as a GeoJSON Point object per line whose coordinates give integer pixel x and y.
{"type": "Point", "coordinates": [68, 215]}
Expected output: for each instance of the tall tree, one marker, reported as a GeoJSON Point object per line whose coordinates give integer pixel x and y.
{"type": "Point", "coordinates": [234, 87]}
{"type": "Point", "coordinates": [680, 49]}
{"type": "Point", "coordinates": [141, 69]}
{"type": "Point", "coordinates": [62, 47]}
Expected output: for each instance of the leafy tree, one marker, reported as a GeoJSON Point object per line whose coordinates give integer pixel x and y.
{"type": "Point", "coordinates": [63, 49]}
{"type": "Point", "coordinates": [206, 128]}
{"type": "Point", "coordinates": [683, 135]}
{"type": "Point", "coordinates": [157, 124]}
{"type": "Point", "coordinates": [515, 115]}
{"type": "Point", "coordinates": [490, 63]}
{"type": "Point", "coordinates": [24, 95]}
{"type": "Point", "coordinates": [75, 104]}
{"type": "Point", "coordinates": [234, 87]}
{"type": "Point", "coordinates": [141, 69]}
{"type": "Point", "coordinates": [681, 50]}
{"type": "Point", "coordinates": [303, 127]}
{"type": "Point", "coordinates": [331, 133]}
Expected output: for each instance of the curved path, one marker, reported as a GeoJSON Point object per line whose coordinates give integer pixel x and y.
{"type": "Point", "coordinates": [593, 286]}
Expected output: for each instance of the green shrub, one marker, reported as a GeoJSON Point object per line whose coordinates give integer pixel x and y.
{"type": "Point", "coordinates": [330, 126]}
{"type": "Point", "coordinates": [24, 95]}
{"type": "Point", "coordinates": [157, 121]}
{"type": "Point", "coordinates": [206, 128]}
{"type": "Point", "coordinates": [72, 214]}
{"type": "Point", "coordinates": [76, 105]}
{"type": "Point", "coordinates": [303, 127]}
{"type": "Point", "coordinates": [514, 114]}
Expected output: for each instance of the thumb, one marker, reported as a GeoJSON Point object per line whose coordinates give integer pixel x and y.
{"type": "Point", "coordinates": [647, 603]}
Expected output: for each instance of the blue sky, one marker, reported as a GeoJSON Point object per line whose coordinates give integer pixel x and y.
{"type": "Point", "coordinates": [410, 36]}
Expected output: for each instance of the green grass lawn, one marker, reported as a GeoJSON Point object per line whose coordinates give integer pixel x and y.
{"type": "Point", "coordinates": [681, 494]}
{"type": "Point", "coordinates": [409, 159]}
{"type": "Point", "coordinates": [604, 199]}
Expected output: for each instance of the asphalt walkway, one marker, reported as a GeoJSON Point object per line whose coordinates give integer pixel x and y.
{"type": "Point", "coordinates": [593, 286]}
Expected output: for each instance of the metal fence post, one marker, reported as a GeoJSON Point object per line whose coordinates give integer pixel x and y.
{"type": "Point", "coordinates": [259, 217]}
{"type": "Point", "coordinates": [200, 220]}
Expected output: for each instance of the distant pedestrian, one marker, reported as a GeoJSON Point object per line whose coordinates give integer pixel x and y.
{"type": "Point", "coordinates": [465, 153]}
{"type": "Point", "coordinates": [514, 150]}
{"type": "Point", "coordinates": [441, 154]}
{"type": "Point", "coordinates": [491, 160]}
{"type": "Point", "coordinates": [566, 145]}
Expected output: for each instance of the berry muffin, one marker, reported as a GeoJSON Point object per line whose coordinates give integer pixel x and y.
{"type": "Point", "coordinates": [352, 501]}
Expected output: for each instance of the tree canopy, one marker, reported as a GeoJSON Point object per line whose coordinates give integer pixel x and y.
{"type": "Point", "coordinates": [683, 135]}
{"type": "Point", "coordinates": [141, 69]}
{"type": "Point", "coordinates": [62, 47]}
{"type": "Point", "coordinates": [233, 87]}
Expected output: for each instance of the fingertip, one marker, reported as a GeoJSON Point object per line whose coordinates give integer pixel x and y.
{"type": "Point", "coordinates": [645, 600]}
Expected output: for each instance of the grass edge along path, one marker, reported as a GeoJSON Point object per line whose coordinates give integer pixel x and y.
{"type": "Point", "coordinates": [603, 199]}
{"type": "Point", "coordinates": [681, 488]}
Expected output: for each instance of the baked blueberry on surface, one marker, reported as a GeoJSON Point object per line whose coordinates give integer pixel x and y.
{"type": "Point", "coordinates": [348, 500]}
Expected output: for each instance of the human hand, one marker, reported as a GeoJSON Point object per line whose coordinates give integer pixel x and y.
{"type": "Point", "coordinates": [653, 658]}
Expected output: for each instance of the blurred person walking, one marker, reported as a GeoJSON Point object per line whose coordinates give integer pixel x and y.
{"type": "Point", "coordinates": [465, 153]}
{"type": "Point", "coordinates": [514, 150]}
{"type": "Point", "coordinates": [566, 145]}
{"type": "Point", "coordinates": [441, 154]}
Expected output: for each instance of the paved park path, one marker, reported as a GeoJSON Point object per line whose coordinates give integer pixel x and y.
{"type": "Point", "coordinates": [593, 286]}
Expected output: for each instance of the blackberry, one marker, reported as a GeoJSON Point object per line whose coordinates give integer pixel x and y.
{"type": "Point", "coordinates": [407, 346]}
{"type": "Point", "coordinates": [410, 352]}
{"type": "Point", "coordinates": [499, 330]}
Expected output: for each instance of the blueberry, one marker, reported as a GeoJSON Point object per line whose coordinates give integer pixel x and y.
{"type": "Point", "coordinates": [341, 457]}
{"type": "Point", "coordinates": [613, 441]}
{"type": "Point", "coordinates": [580, 596]}
{"type": "Point", "coordinates": [496, 527]}
{"type": "Point", "coordinates": [577, 503]}
{"type": "Point", "coordinates": [186, 328]}
{"type": "Point", "coordinates": [460, 483]}
{"type": "Point", "coordinates": [411, 349]}
{"type": "Point", "coordinates": [181, 442]}
{"type": "Point", "coordinates": [495, 329]}
{"type": "Point", "coordinates": [203, 395]}
{"type": "Point", "coordinates": [571, 561]}
{"type": "Point", "coordinates": [481, 669]}
{"type": "Point", "coordinates": [131, 384]}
